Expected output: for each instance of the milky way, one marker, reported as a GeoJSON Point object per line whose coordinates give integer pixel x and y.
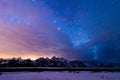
{"type": "Point", "coordinates": [74, 29]}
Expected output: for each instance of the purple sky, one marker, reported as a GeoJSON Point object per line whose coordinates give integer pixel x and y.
{"type": "Point", "coordinates": [74, 29]}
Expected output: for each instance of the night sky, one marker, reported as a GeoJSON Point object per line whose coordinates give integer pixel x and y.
{"type": "Point", "coordinates": [74, 29]}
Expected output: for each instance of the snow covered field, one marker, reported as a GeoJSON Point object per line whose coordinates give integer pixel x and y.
{"type": "Point", "coordinates": [81, 75]}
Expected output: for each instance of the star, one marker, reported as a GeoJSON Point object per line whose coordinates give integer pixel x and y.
{"type": "Point", "coordinates": [58, 28]}
{"type": "Point", "coordinates": [33, 0]}
{"type": "Point", "coordinates": [54, 21]}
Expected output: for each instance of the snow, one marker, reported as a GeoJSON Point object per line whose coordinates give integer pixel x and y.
{"type": "Point", "coordinates": [82, 75]}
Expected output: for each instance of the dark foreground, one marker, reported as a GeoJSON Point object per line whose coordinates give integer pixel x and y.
{"type": "Point", "coordinates": [16, 69]}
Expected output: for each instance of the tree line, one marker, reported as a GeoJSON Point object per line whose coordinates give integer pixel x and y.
{"type": "Point", "coordinates": [53, 62]}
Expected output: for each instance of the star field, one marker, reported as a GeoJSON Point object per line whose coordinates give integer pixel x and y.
{"type": "Point", "coordinates": [74, 29]}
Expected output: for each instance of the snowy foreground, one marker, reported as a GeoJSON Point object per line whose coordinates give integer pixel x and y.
{"type": "Point", "coordinates": [60, 76]}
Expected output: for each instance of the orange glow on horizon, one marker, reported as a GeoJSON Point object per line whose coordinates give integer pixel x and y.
{"type": "Point", "coordinates": [32, 57]}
